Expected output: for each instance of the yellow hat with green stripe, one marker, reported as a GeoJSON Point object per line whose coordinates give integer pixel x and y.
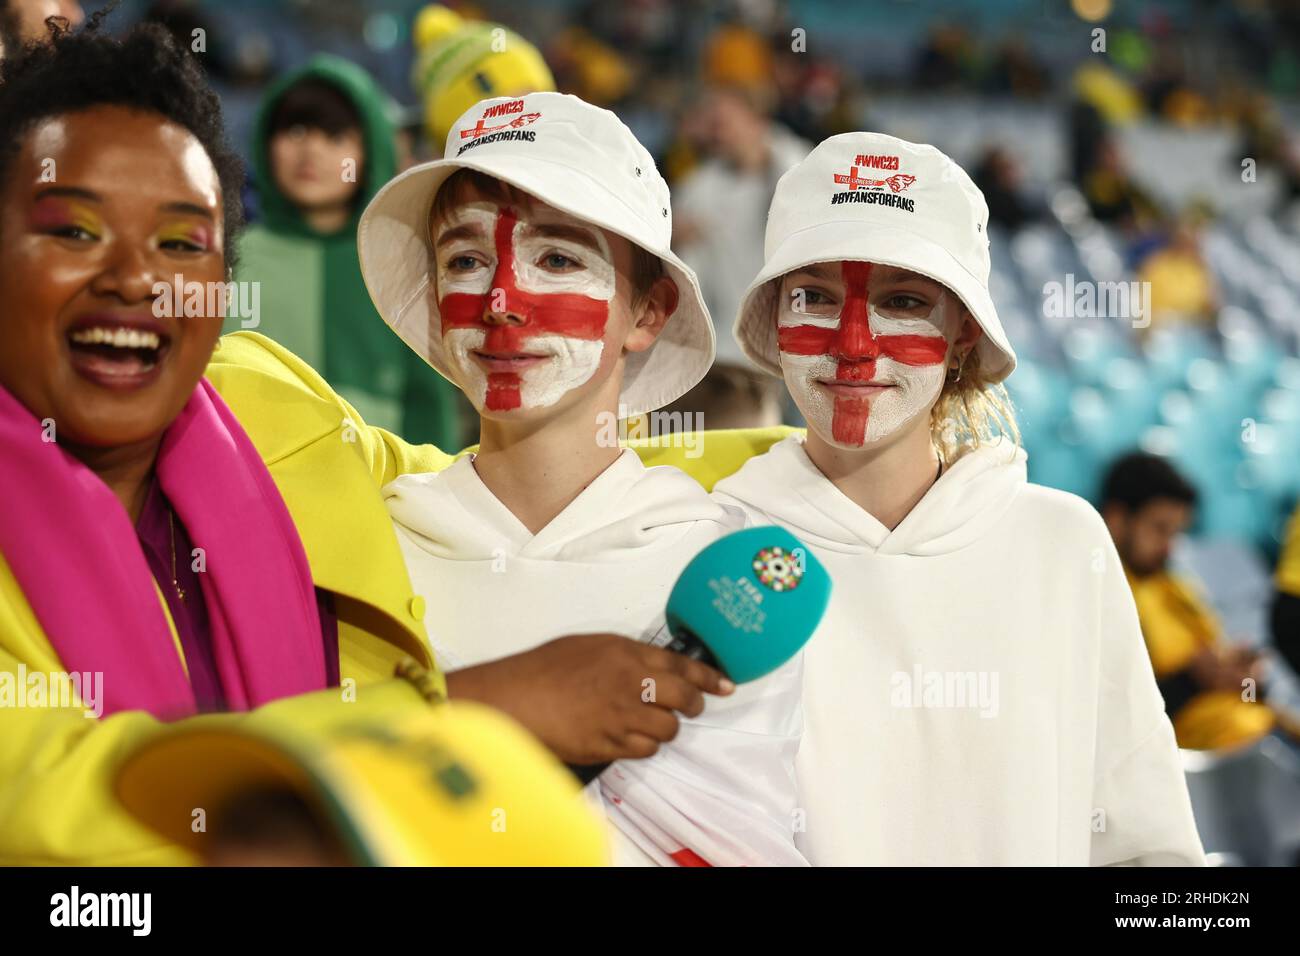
{"type": "Point", "coordinates": [459, 62]}
{"type": "Point", "coordinates": [455, 785]}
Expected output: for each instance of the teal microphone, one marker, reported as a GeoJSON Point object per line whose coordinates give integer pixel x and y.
{"type": "Point", "coordinates": [744, 605]}
{"type": "Point", "coordinates": [748, 603]}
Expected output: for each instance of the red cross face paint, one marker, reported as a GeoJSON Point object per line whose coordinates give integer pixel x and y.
{"type": "Point", "coordinates": [858, 371]}
{"type": "Point", "coordinates": [524, 298]}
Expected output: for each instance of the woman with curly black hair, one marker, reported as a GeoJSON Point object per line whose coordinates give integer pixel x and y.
{"type": "Point", "coordinates": [150, 568]}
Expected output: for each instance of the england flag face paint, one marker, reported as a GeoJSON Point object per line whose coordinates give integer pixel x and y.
{"type": "Point", "coordinates": [857, 371]}
{"type": "Point", "coordinates": [524, 298]}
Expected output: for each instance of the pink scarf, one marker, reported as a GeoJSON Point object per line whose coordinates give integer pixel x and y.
{"type": "Point", "coordinates": [74, 552]}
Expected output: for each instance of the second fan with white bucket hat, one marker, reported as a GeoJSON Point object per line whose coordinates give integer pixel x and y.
{"type": "Point", "coordinates": [978, 693]}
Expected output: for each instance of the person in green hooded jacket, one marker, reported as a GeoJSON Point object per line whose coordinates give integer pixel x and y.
{"type": "Point", "coordinates": [322, 146]}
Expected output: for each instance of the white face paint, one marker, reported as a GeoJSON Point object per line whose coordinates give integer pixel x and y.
{"type": "Point", "coordinates": [573, 362]}
{"type": "Point", "coordinates": [522, 336]}
{"type": "Point", "coordinates": [816, 356]}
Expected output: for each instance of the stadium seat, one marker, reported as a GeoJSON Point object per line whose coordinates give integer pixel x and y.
{"type": "Point", "coordinates": [1247, 801]}
{"type": "Point", "coordinates": [1169, 352]}
{"type": "Point", "coordinates": [1091, 348]}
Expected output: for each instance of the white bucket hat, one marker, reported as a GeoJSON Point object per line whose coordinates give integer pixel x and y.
{"type": "Point", "coordinates": [868, 197]}
{"type": "Point", "coordinates": [571, 155]}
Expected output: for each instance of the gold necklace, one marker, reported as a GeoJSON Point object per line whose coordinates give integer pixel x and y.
{"type": "Point", "coordinates": [171, 525]}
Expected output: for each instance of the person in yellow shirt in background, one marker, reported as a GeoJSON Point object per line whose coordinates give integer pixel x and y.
{"type": "Point", "coordinates": [1182, 287]}
{"type": "Point", "coordinates": [1212, 686]}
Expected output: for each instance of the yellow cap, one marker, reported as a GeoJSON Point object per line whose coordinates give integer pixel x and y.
{"type": "Point", "coordinates": [455, 785]}
{"type": "Point", "coordinates": [459, 62]}
{"type": "Point", "coordinates": [433, 23]}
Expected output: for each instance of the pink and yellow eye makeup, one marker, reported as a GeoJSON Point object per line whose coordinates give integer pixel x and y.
{"type": "Point", "coordinates": [60, 212]}
{"type": "Point", "coordinates": [56, 213]}
{"type": "Point", "coordinates": [195, 234]}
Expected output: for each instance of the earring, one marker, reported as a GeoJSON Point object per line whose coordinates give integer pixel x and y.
{"type": "Point", "coordinates": [961, 362]}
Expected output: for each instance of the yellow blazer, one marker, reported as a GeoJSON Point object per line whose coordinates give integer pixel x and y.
{"type": "Point", "coordinates": [56, 765]}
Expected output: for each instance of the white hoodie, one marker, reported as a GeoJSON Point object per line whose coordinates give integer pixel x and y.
{"type": "Point", "coordinates": [723, 791]}
{"type": "Point", "coordinates": [979, 692]}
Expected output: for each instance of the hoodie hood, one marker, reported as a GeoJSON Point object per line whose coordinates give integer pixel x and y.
{"type": "Point", "coordinates": [627, 509]}
{"type": "Point", "coordinates": [605, 564]}
{"type": "Point", "coordinates": [969, 498]}
{"type": "Point", "coordinates": [377, 131]}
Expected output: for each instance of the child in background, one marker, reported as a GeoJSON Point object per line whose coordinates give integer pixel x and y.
{"type": "Point", "coordinates": [323, 146]}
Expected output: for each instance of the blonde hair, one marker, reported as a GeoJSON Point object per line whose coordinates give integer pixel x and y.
{"type": "Point", "coordinates": [972, 410]}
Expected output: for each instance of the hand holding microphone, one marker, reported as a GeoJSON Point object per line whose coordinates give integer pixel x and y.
{"type": "Point", "coordinates": [744, 605]}
{"type": "Point", "coordinates": [583, 695]}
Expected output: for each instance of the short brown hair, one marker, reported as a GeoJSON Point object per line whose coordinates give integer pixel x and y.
{"type": "Point", "coordinates": [646, 266]}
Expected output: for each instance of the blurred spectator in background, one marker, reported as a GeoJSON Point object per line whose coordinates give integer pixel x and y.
{"type": "Point", "coordinates": [737, 55]}
{"type": "Point", "coordinates": [459, 62]}
{"type": "Point", "coordinates": [997, 174]}
{"type": "Point", "coordinates": [1168, 93]}
{"type": "Point", "coordinates": [652, 35]}
{"type": "Point", "coordinates": [195, 30]}
{"type": "Point", "coordinates": [590, 68]}
{"type": "Point", "coordinates": [1103, 99]}
{"type": "Point", "coordinates": [1210, 685]}
{"type": "Point", "coordinates": [1113, 195]}
{"type": "Point", "coordinates": [323, 145]}
{"type": "Point", "coordinates": [1182, 286]}
{"type": "Point", "coordinates": [944, 59]}
{"type": "Point", "coordinates": [1015, 70]}
{"type": "Point", "coordinates": [1265, 139]}
{"type": "Point", "coordinates": [730, 396]}
{"type": "Point", "coordinates": [23, 21]}
{"type": "Point", "coordinates": [735, 58]}
{"type": "Point", "coordinates": [720, 206]}
{"type": "Point", "coordinates": [720, 215]}
{"type": "Point", "coordinates": [1286, 602]}
{"type": "Point", "coordinates": [816, 96]}
{"type": "Point", "coordinates": [1108, 93]}
{"type": "Point", "coordinates": [719, 219]}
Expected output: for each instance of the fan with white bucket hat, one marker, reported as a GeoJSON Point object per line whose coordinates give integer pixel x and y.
{"type": "Point", "coordinates": [868, 197]}
{"type": "Point", "coordinates": [575, 157]}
